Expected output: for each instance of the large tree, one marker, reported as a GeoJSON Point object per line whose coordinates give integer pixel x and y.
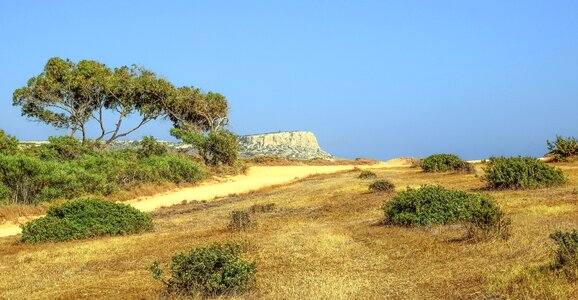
{"type": "Point", "coordinates": [193, 110]}
{"type": "Point", "coordinates": [68, 95]}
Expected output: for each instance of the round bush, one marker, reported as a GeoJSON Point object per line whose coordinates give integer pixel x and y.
{"type": "Point", "coordinates": [208, 271]}
{"type": "Point", "coordinates": [367, 175]}
{"type": "Point", "coordinates": [85, 219]}
{"type": "Point", "coordinates": [433, 204]}
{"type": "Point", "coordinates": [446, 163]}
{"type": "Point", "coordinates": [382, 186]}
{"type": "Point", "coordinates": [521, 173]}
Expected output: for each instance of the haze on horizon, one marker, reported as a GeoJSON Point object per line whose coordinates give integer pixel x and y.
{"type": "Point", "coordinates": [369, 78]}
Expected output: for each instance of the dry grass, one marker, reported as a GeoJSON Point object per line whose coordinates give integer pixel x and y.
{"type": "Point", "coordinates": [324, 240]}
{"type": "Point", "coordinates": [17, 213]}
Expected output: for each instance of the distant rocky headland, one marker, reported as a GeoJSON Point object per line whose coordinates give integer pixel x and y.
{"type": "Point", "coordinates": [299, 145]}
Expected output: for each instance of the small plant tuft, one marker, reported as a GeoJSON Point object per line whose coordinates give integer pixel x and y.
{"type": "Point", "coordinates": [446, 163]}
{"type": "Point", "coordinates": [382, 186]}
{"type": "Point", "coordinates": [241, 221]}
{"type": "Point", "coordinates": [208, 271]}
{"type": "Point", "coordinates": [367, 175]}
{"type": "Point", "coordinates": [262, 208]}
{"type": "Point", "coordinates": [521, 173]}
{"type": "Point", "coordinates": [566, 255]}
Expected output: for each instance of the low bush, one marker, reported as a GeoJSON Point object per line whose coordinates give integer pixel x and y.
{"type": "Point", "coordinates": [446, 163]}
{"type": "Point", "coordinates": [433, 204]}
{"type": "Point", "coordinates": [487, 220]}
{"type": "Point", "coordinates": [521, 173]}
{"type": "Point", "coordinates": [562, 149]}
{"type": "Point", "coordinates": [171, 168]}
{"type": "Point", "coordinates": [367, 175]}
{"type": "Point", "coordinates": [566, 255]}
{"type": "Point", "coordinates": [208, 271]}
{"type": "Point", "coordinates": [382, 186]}
{"type": "Point", "coordinates": [63, 148]}
{"type": "Point", "coordinates": [240, 221]}
{"type": "Point", "coordinates": [31, 179]}
{"type": "Point", "coordinates": [25, 176]}
{"type": "Point", "coordinates": [149, 146]}
{"type": "Point", "coordinates": [82, 219]}
{"type": "Point", "coordinates": [8, 144]}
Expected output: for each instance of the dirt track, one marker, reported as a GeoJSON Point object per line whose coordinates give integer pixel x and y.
{"type": "Point", "coordinates": [255, 179]}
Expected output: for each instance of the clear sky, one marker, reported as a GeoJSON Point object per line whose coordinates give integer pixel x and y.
{"type": "Point", "coordinates": [376, 79]}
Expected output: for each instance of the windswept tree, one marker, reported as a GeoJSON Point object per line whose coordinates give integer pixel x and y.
{"type": "Point", "coordinates": [68, 95]}
{"type": "Point", "coordinates": [134, 90]}
{"type": "Point", "coordinates": [195, 111]}
{"type": "Point", "coordinates": [200, 119]}
{"type": "Point", "coordinates": [64, 95]}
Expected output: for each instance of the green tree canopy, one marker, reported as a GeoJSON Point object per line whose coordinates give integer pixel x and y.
{"type": "Point", "coordinates": [68, 95]}
{"type": "Point", "coordinates": [193, 110]}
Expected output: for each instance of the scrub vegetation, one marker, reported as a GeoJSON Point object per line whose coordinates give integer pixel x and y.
{"type": "Point", "coordinates": [83, 219]}
{"type": "Point", "coordinates": [326, 237]}
{"type": "Point", "coordinates": [446, 163]}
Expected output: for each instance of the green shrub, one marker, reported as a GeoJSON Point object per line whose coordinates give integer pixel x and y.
{"type": "Point", "coordinates": [149, 146]}
{"type": "Point", "coordinates": [8, 144]}
{"type": "Point", "coordinates": [175, 169]}
{"type": "Point", "coordinates": [520, 173]}
{"type": "Point", "coordinates": [562, 148]}
{"type": "Point", "coordinates": [208, 271]}
{"type": "Point", "coordinates": [382, 186]}
{"type": "Point", "coordinates": [433, 204]}
{"type": "Point", "coordinates": [367, 175]}
{"type": "Point", "coordinates": [63, 148]}
{"type": "Point", "coordinates": [5, 193]}
{"type": "Point", "coordinates": [240, 221]}
{"type": "Point", "coordinates": [219, 147]}
{"type": "Point", "coordinates": [566, 256]}
{"type": "Point", "coordinates": [82, 219]}
{"type": "Point", "coordinates": [222, 148]}
{"type": "Point", "coordinates": [487, 220]}
{"type": "Point", "coordinates": [446, 163]}
{"type": "Point", "coordinates": [25, 177]}
{"type": "Point", "coordinates": [67, 180]}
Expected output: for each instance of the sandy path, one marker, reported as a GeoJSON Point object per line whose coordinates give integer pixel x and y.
{"type": "Point", "coordinates": [256, 178]}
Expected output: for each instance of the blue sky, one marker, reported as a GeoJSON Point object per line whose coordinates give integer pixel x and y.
{"type": "Point", "coordinates": [376, 79]}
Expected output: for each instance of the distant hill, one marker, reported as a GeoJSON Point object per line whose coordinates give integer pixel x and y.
{"type": "Point", "coordinates": [300, 145]}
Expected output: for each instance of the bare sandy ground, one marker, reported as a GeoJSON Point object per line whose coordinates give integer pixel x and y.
{"type": "Point", "coordinates": [256, 178]}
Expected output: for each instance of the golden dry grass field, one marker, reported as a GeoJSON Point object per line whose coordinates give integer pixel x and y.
{"type": "Point", "coordinates": [324, 240]}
